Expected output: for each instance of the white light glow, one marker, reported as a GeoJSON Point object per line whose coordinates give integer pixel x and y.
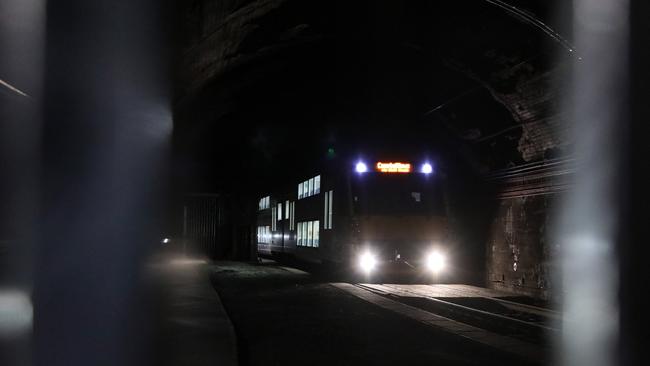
{"type": "Point", "coordinates": [16, 313]}
{"type": "Point", "coordinates": [165, 241]}
{"type": "Point", "coordinates": [588, 232]}
{"type": "Point", "coordinates": [367, 262]}
{"type": "Point", "coordinates": [361, 167]}
{"type": "Point", "coordinates": [187, 261]}
{"type": "Point", "coordinates": [436, 262]}
{"type": "Point", "coordinates": [427, 168]}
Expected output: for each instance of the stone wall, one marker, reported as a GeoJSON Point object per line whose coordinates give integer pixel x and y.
{"type": "Point", "coordinates": [521, 255]}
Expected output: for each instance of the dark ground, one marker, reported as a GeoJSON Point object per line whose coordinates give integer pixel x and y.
{"type": "Point", "coordinates": [284, 317]}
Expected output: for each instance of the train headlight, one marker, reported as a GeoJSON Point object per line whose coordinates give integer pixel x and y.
{"type": "Point", "coordinates": [426, 168]}
{"type": "Point", "coordinates": [361, 167]}
{"type": "Point", "coordinates": [367, 261]}
{"type": "Point", "coordinates": [435, 262]}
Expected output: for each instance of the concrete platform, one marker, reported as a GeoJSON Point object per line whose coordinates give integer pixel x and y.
{"type": "Point", "coordinates": [193, 328]}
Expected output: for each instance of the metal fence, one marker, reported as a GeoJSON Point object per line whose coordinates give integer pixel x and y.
{"type": "Point", "coordinates": [202, 223]}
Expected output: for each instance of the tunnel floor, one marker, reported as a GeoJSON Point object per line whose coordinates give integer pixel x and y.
{"type": "Point", "coordinates": [285, 316]}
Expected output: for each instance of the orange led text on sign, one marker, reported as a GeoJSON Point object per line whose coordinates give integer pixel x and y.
{"type": "Point", "coordinates": [393, 167]}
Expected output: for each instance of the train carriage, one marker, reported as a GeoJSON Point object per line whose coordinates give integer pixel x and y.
{"type": "Point", "coordinates": [374, 217]}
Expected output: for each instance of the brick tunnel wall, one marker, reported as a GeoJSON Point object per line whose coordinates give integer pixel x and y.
{"type": "Point", "coordinates": [521, 255]}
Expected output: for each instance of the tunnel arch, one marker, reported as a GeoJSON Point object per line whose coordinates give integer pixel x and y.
{"type": "Point", "coordinates": [481, 83]}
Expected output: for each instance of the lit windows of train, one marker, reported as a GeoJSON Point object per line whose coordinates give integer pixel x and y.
{"type": "Point", "coordinates": [327, 214]}
{"type": "Point", "coordinates": [301, 234]}
{"type": "Point", "coordinates": [279, 215]}
{"type": "Point", "coordinates": [325, 207]}
{"type": "Point", "coordinates": [292, 216]}
{"type": "Point", "coordinates": [309, 187]}
{"type": "Point", "coordinates": [299, 239]}
{"type": "Point", "coordinates": [265, 202]}
{"type": "Point", "coordinates": [263, 234]}
{"type": "Point", "coordinates": [308, 234]}
{"type": "Point", "coordinates": [273, 220]}
{"type": "Point", "coordinates": [286, 210]}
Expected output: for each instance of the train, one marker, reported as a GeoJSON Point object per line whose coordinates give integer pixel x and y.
{"type": "Point", "coordinates": [372, 216]}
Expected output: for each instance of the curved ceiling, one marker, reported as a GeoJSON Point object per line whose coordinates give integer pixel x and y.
{"type": "Point", "coordinates": [478, 81]}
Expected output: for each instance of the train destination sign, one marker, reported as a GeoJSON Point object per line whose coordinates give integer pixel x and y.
{"type": "Point", "coordinates": [393, 167]}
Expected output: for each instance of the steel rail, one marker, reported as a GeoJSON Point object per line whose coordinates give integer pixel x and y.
{"type": "Point", "coordinates": [466, 309]}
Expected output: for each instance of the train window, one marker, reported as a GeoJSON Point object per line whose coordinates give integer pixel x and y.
{"type": "Point", "coordinates": [264, 203]}
{"type": "Point", "coordinates": [263, 234]}
{"type": "Point", "coordinates": [279, 215]}
{"type": "Point", "coordinates": [273, 221]}
{"type": "Point", "coordinates": [286, 210]}
{"type": "Point", "coordinates": [309, 187]}
{"type": "Point", "coordinates": [325, 206]}
{"type": "Point", "coordinates": [310, 233]}
{"type": "Point", "coordinates": [403, 194]}
{"type": "Point", "coordinates": [299, 239]}
{"type": "Point", "coordinates": [329, 210]}
{"type": "Point", "coordinates": [304, 234]}
{"type": "Point", "coordinates": [292, 222]}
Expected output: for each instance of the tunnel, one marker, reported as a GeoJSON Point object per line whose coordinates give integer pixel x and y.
{"type": "Point", "coordinates": [480, 87]}
{"type": "Point", "coordinates": [249, 182]}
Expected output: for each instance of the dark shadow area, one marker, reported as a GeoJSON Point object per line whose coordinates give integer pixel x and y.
{"type": "Point", "coordinates": [285, 317]}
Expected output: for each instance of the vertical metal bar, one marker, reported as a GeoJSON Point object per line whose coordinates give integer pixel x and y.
{"type": "Point", "coordinates": [589, 221]}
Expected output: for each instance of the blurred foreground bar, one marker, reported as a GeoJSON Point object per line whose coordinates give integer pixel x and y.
{"type": "Point", "coordinates": [105, 140]}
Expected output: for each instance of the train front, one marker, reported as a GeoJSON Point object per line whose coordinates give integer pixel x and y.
{"type": "Point", "coordinates": [400, 222]}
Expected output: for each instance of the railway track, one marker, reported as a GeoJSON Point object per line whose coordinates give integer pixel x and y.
{"type": "Point", "coordinates": [470, 312]}
{"type": "Point", "coordinates": [479, 311]}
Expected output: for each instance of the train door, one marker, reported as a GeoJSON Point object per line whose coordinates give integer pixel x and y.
{"type": "Point", "coordinates": [281, 226]}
